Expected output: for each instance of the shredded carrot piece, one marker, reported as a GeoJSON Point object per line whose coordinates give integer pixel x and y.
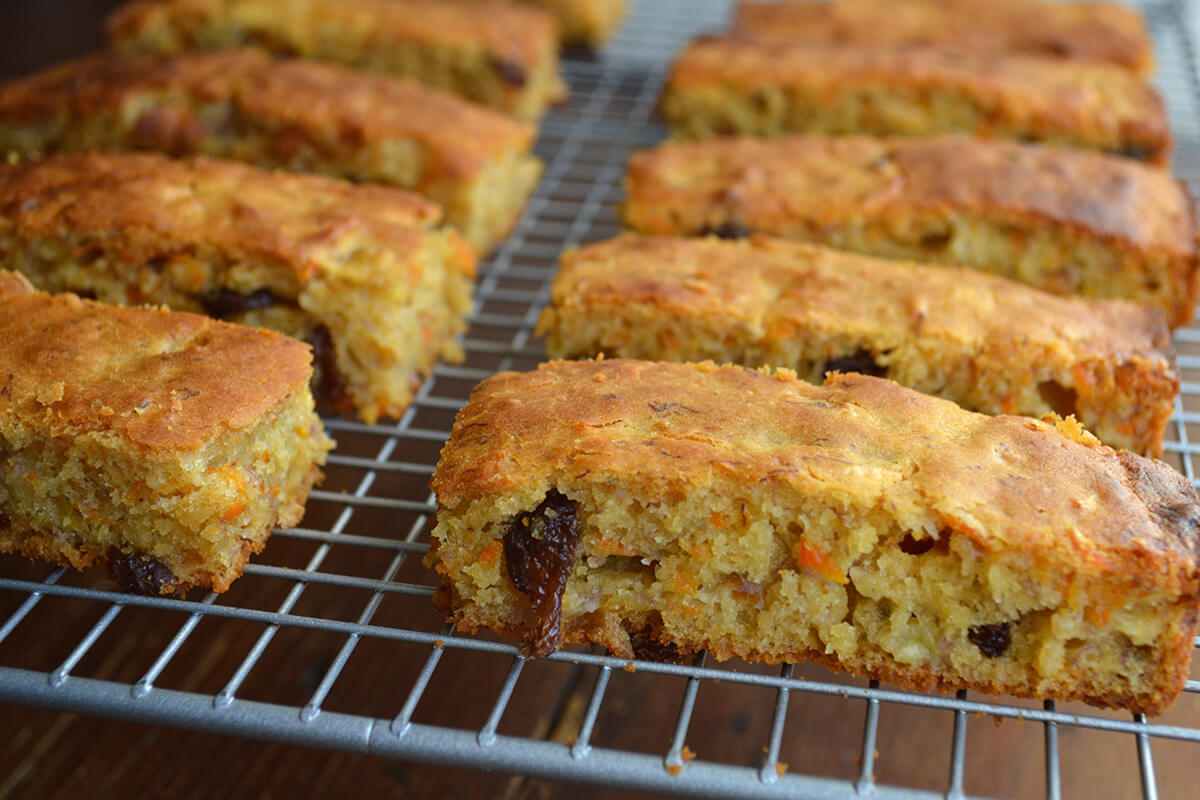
{"type": "Point", "coordinates": [813, 560]}
{"type": "Point", "coordinates": [490, 554]}
{"type": "Point", "coordinates": [717, 519]}
{"type": "Point", "coordinates": [1084, 385]}
{"type": "Point", "coordinates": [611, 547]}
{"type": "Point", "coordinates": [684, 583]}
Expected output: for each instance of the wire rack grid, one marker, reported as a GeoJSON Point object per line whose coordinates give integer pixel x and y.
{"type": "Point", "coordinates": [352, 575]}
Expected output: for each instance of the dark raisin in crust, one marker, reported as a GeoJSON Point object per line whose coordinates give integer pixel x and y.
{"type": "Point", "coordinates": [226, 303]}
{"type": "Point", "coordinates": [539, 549]}
{"type": "Point", "coordinates": [140, 574]}
{"type": "Point", "coordinates": [860, 361]}
{"type": "Point", "coordinates": [992, 640]}
{"type": "Point", "coordinates": [731, 229]}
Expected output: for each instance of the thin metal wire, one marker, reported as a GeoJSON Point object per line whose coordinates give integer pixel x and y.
{"type": "Point", "coordinates": [403, 720]}
{"type": "Point", "coordinates": [958, 750]}
{"type": "Point", "coordinates": [487, 734]}
{"type": "Point", "coordinates": [675, 757]}
{"type": "Point", "coordinates": [866, 776]}
{"type": "Point", "coordinates": [771, 768]}
{"type": "Point", "coordinates": [582, 745]}
{"type": "Point", "coordinates": [1146, 763]}
{"type": "Point", "coordinates": [23, 610]}
{"type": "Point", "coordinates": [1053, 771]}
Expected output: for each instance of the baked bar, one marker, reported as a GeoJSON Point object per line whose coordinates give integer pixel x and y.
{"type": "Point", "coordinates": [1068, 222]}
{"type": "Point", "coordinates": [767, 87]}
{"type": "Point", "coordinates": [860, 524]}
{"type": "Point", "coordinates": [504, 56]}
{"type": "Point", "coordinates": [298, 115]}
{"type": "Point", "coordinates": [358, 271]}
{"type": "Point", "coordinates": [1092, 31]}
{"type": "Point", "coordinates": [164, 446]}
{"type": "Point", "coordinates": [587, 23]}
{"type": "Point", "coordinates": [985, 342]}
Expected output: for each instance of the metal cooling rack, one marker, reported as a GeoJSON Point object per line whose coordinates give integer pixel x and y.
{"type": "Point", "coordinates": [376, 509]}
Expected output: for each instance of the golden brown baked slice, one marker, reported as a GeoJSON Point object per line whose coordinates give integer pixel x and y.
{"type": "Point", "coordinates": [1091, 31]}
{"type": "Point", "coordinates": [860, 524]}
{"type": "Point", "coordinates": [476, 163]}
{"type": "Point", "coordinates": [164, 446]}
{"type": "Point", "coordinates": [767, 87]}
{"type": "Point", "coordinates": [1066, 221]}
{"type": "Point", "coordinates": [360, 272]}
{"type": "Point", "coordinates": [504, 56]}
{"type": "Point", "coordinates": [589, 23]}
{"type": "Point", "coordinates": [985, 342]}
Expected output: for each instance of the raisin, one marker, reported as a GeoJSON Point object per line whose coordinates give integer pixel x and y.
{"type": "Point", "coordinates": [175, 131]}
{"type": "Point", "coordinates": [539, 548]}
{"type": "Point", "coordinates": [730, 229]}
{"type": "Point", "coordinates": [647, 647]}
{"type": "Point", "coordinates": [140, 574]}
{"type": "Point", "coordinates": [225, 303]}
{"type": "Point", "coordinates": [861, 361]}
{"type": "Point", "coordinates": [330, 383]}
{"type": "Point", "coordinates": [916, 547]}
{"type": "Point", "coordinates": [936, 240]}
{"type": "Point", "coordinates": [1137, 152]}
{"type": "Point", "coordinates": [992, 640]}
{"type": "Point", "coordinates": [1059, 47]}
{"type": "Point", "coordinates": [510, 72]}
{"type": "Point", "coordinates": [1061, 399]}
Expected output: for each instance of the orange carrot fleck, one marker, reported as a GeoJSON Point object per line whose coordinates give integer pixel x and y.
{"type": "Point", "coordinates": [490, 554]}
{"type": "Point", "coordinates": [611, 547]}
{"type": "Point", "coordinates": [813, 560]}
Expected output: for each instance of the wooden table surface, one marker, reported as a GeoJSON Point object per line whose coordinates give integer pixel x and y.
{"type": "Point", "coordinates": [56, 755]}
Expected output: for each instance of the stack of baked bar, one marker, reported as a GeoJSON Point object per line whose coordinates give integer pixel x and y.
{"type": "Point", "coordinates": [163, 478]}
{"type": "Point", "coordinates": [664, 508]}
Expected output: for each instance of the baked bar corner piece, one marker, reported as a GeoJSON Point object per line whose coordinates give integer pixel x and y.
{"type": "Point", "coordinates": [589, 23]}
{"type": "Point", "coordinates": [1066, 221]}
{"type": "Point", "coordinates": [163, 445]}
{"type": "Point", "coordinates": [858, 524]}
{"type": "Point", "coordinates": [989, 344]}
{"type": "Point", "coordinates": [767, 87]}
{"type": "Point", "coordinates": [359, 271]}
{"type": "Point", "coordinates": [504, 56]}
{"type": "Point", "coordinates": [1087, 31]}
{"type": "Point", "coordinates": [299, 115]}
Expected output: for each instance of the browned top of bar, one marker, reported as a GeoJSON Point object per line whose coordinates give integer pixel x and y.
{"type": "Point", "coordinates": [145, 378]}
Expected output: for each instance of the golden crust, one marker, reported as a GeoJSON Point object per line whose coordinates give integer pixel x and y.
{"type": "Point", "coordinates": [981, 340]}
{"type": "Point", "coordinates": [1008, 482]}
{"type": "Point", "coordinates": [297, 115]}
{"type": "Point", "coordinates": [590, 628]}
{"type": "Point", "coordinates": [513, 44]}
{"type": "Point", "coordinates": [359, 271]}
{"type": "Point", "coordinates": [586, 22]}
{"type": "Point", "coordinates": [761, 517]}
{"type": "Point", "coordinates": [458, 138]}
{"type": "Point", "coordinates": [160, 205]}
{"type": "Point", "coordinates": [1091, 31]}
{"type": "Point", "coordinates": [1089, 105]}
{"type": "Point", "coordinates": [165, 446]}
{"type": "Point", "coordinates": [589, 23]}
{"type": "Point", "coordinates": [817, 188]}
{"type": "Point", "coordinates": [159, 380]}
